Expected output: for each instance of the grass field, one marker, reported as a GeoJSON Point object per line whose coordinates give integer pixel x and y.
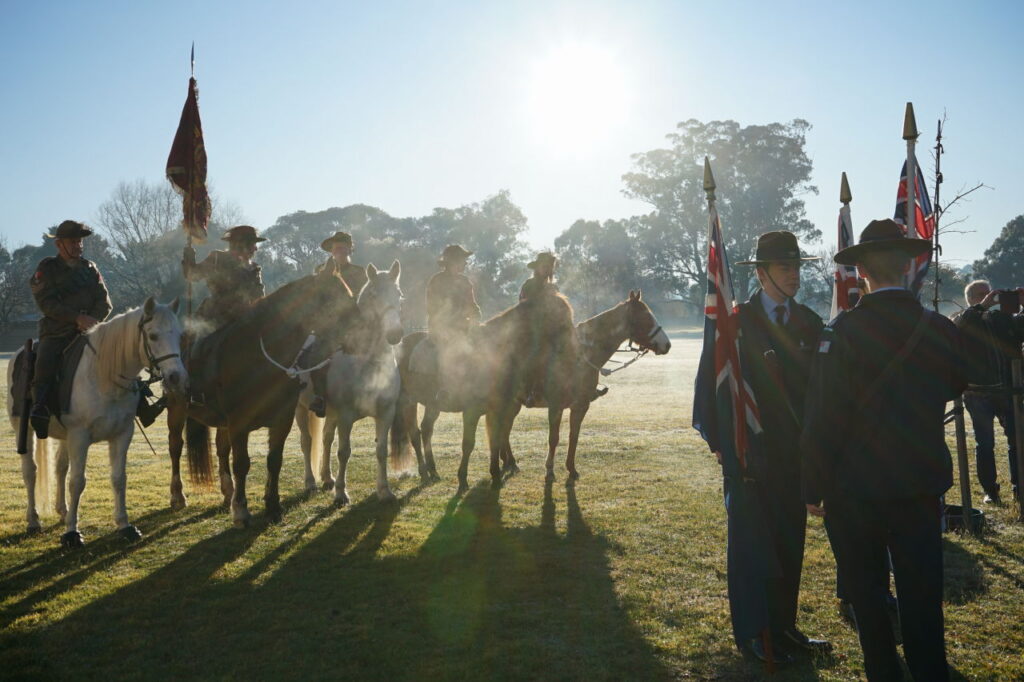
{"type": "Point", "coordinates": [620, 577]}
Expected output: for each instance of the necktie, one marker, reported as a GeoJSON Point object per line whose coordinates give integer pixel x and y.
{"type": "Point", "coordinates": [780, 315]}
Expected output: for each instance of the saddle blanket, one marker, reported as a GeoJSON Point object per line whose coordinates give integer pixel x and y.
{"type": "Point", "coordinates": [59, 400]}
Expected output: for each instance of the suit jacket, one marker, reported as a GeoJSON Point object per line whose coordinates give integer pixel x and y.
{"type": "Point", "coordinates": [896, 447]}
{"type": "Point", "coordinates": [778, 384]}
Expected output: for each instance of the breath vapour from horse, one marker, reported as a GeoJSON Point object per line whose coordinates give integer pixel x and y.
{"type": "Point", "coordinates": [103, 404]}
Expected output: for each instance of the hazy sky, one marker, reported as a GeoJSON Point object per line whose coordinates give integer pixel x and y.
{"type": "Point", "coordinates": [410, 106]}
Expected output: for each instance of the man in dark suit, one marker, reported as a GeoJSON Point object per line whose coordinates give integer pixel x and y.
{"type": "Point", "coordinates": [875, 461]}
{"type": "Point", "coordinates": [778, 338]}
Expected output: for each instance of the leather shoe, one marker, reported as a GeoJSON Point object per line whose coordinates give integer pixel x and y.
{"type": "Point", "coordinates": [796, 640]}
{"type": "Point", "coordinates": [755, 647]}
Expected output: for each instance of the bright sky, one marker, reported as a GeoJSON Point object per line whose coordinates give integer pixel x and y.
{"type": "Point", "coordinates": [410, 106]}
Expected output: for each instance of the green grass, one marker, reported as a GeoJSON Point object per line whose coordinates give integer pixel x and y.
{"type": "Point", "coordinates": [620, 577]}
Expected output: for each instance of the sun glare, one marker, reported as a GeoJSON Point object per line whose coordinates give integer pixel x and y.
{"type": "Point", "coordinates": [577, 98]}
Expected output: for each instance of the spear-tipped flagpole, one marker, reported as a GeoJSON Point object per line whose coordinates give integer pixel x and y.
{"type": "Point", "coordinates": [709, 182]}
{"type": "Point", "coordinates": [939, 150]}
{"type": "Point", "coordinates": [192, 60]}
{"type": "Point", "coordinates": [910, 134]}
{"type": "Point", "coordinates": [844, 238]}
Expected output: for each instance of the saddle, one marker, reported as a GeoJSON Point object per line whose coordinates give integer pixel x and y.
{"type": "Point", "coordinates": [58, 401]}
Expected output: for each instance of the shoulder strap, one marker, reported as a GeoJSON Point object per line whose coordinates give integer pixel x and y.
{"type": "Point", "coordinates": [905, 351]}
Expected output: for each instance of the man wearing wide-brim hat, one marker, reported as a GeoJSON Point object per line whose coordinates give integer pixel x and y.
{"type": "Point", "coordinates": [232, 277]}
{"type": "Point", "coordinates": [542, 281]}
{"type": "Point", "coordinates": [340, 246]}
{"type": "Point", "coordinates": [70, 293]}
{"type": "Point", "coordinates": [777, 340]}
{"type": "Point", "coordinates": [875, 460]}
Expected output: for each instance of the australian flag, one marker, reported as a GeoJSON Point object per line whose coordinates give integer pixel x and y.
{"type": "Point", "coordinates": [924, 221]}
{"type": "Point", "coordinates": [724, 409]}
{"type": "Point", "coordinates": [846, 291]}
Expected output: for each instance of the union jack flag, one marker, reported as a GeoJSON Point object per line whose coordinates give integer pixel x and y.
{"type": "Point", "coordinates": [724, 407]}
{"type": "Point", "coordinates": [924, 221]}
{"type": "Point", "coordinates": [846, 291]}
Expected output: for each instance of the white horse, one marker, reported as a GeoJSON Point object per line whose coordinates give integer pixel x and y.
{"type": "Point", "coordinates": [362, 382]}
{"type": "Point", "coordinates": [104, 398]}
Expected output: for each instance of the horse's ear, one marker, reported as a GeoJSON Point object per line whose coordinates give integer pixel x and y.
{"type": "Point", "coordinates": [396, 270]}
{"type": "Point", "coordinates": [371, 272]}
{"type": "Point", "coordinates": [174, 305]}
{"type": "Point", "coordinates": [638, 294]}
{"type": "Point", "coordinates": [632, 295]}
{"type": "Point", "coordinates": [149, 306]}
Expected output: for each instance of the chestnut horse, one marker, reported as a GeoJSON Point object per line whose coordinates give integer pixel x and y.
{"type": "Point", "coordinates": [241, 381]}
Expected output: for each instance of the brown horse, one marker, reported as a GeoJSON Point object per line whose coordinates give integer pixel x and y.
{"type": "Point", "coordinates": [245, 378]}
{"type": "Point", "coordinates": [497, 370]}
{"type": "Point", "coordinates": [599, 337]}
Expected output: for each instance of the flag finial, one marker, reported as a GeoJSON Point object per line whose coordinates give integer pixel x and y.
{"type": "Point", "coordinates": [910, 123]}
{"type": "Point", "coordinates": [844, 190]}
{"type": "Point", "coordinates": [709, 180]}
{"type": "Point", "coordinates": [192, 60]}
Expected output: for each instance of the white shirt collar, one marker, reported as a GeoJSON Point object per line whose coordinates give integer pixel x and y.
{"type": "Point", "coordinates": [770, 305]}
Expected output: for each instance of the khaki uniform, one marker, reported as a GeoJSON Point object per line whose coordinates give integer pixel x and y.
{"type": "Point", "coordinates": [536, 286]}
{"type": "Point", "coordinates": [451, 304]}
{"type": "Point", "coordinates": [354, 275]}
{"type": "Point", "coordinates": [62, 292]}
{"type": "Point", "coordinates": [233, 286]}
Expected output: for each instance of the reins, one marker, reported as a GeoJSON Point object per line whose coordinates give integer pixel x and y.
{"type": "Point", "coordinates": [638, 352]}
{"type": "Point", "coordinates": [294, 371]}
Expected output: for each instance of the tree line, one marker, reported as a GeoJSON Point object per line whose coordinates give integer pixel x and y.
{"type": "Point", "coordinates": [762, 173]}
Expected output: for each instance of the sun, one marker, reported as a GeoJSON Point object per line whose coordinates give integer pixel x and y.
{"type": "Point", "coordinates": [577, 98]}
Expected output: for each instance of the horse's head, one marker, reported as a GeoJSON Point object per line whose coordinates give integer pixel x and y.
{"type": "Point", "coordinates": [160, 333]}
{"type": "Point", "coordinates": [381, 301]}
{"type": "Point", "coordinates": [644, 330]}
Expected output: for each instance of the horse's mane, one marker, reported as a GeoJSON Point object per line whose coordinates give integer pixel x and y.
{"type": "Point", "coordinates": [116, 343]}
{"type": "Point", "coordinates": [289, 293]}
{"type": "Point", "coordinates": [507, 315]}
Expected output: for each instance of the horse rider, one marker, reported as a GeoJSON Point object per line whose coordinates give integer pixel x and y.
{"type": "Point", "coordinates": [542, 281]}
{"type": "Point", "coordinates": [451, 311]}
{"type": "Point", "coordinates": [340, 246]}
{"type": "Point", "coordinates": [778, 339]}
{"type": "Point", "coordinates": [69, 291]}
{"type": "Point", "coordinates": [234, 281]}
{"type": "Point", "coordinates": [531, 294]}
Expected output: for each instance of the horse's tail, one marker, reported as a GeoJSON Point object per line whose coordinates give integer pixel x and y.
{"type": "Point", "coordinates": [400, 451]}
{"type": "Point", "coordinates": [43, 471]}
{"type": "Point", "coordinates": [197, 445]}
{"type": "Point", "coordinates": [315, 425]}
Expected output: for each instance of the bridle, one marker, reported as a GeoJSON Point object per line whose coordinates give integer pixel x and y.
{"type": "Point", "coordinates": [643, 346]}
{"type": "Point", "coordinates": [154, 362]}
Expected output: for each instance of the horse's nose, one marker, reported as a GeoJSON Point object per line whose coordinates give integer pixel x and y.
{"type": "Point", "coordinates": [394, 336]}
{"type": "Point", "coordinates": [667, 347]}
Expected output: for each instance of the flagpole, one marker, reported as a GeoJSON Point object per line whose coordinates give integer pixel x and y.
{"type": "Point", "coordinates": [910, 134]}
{"type": "Point", "coordinates": [939, 151]}
{"type": "Point", "coordinates": [845, 197]}
{"type": "Point", "coordinates": [188, 206]}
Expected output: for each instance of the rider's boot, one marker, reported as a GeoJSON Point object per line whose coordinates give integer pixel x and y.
{"type": "Point", "coordinates": [598, 392]}
{"type": "Point", "coordinates": [146, 412]}
{"type": "Point", "coordinates": [39, 417]}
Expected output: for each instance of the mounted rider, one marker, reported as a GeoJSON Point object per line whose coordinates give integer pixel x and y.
{"type": "Point", "coordinates": [452, 311]}
{"type": "Point", "coordinates": [234, 281]}
{"type": "Point", "coordinates": [542, 282]}
{"type": "Point", "coordinates": [340, 246]}
{"type": "Point", "coordinates": [71, 294]}
{"type": "Point", "coordinates": [532, 295]}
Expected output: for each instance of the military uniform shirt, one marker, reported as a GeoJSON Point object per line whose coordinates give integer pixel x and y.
{"type": "Point", "coordinates": [63, 292]}
{"type": "Point", "coordinates": [451, 304]}
{"type": "Point", "coordinates": [233, 285]}
{"type": "Point", "coordinates": [536, 286]}
{"type": "Point", "coordinates": [354, 275]}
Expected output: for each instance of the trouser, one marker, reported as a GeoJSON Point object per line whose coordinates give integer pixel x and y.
{"type": "Point", "coordinates": [766, 525]}
{"type": "Point", "coordinates": [985, 409]}
{"type": "Point", "coordinates": [861, 532]}
{"type": "Point", "coordinates": [48, 356]}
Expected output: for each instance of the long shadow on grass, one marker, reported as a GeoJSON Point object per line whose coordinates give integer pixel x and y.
{"type": "Point", "coordinates": [477, 601]}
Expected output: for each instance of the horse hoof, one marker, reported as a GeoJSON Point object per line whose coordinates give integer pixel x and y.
{"type": "Point", "coordinates": [178, 503]}
{"type": "Point", "coordinates": [34, 529]}
{"type": "Point", "coordinates": [573, 477]}
{"type": "Point", "coordinates": [242, 523]}
{"type": "Point", "coordinates": [274, 516]}
{"type": "Point", "coordinates": [512, 468]}
{"type": "Point", "coordinates": [341, 500]}
{"type": "Point", "coordinates": [327, 486]}
{"type": "Point", "coordinates": [72, 540]}
{"type": "Point", "coordinates": [130, 534]}
{"type": "Point", "coordinates": [496, 483]}
{"type": "Point", "coordinates": [386, 496]}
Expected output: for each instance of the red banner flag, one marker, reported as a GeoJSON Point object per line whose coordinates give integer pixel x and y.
{"type": "Point", "coordinates": [186, 167]}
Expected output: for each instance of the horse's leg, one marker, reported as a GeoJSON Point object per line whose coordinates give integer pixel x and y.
{"type": "Point", "coordinates": [470, 421]}
{"type": "Point", "coordinates": [407, 408]}
{"type": "Point", "coordinates": [383, 424]}
{"type": "Point", "coordinates": [28, 475]}
{"type": "Point", "coordinates": [576, 415]}
{"type": "Point", "coordinates": [496, 430]}
{"type": "Point", "coordinates": [223, 442]}
{"type": "Point", "coordinates": [330, 426]}
{"type": "Point", "coordinates": [240, 468]}
{"type": "Point", "coordinates": [344, 425]}
{"type": "Point", "coordinates": [78, 449]}
{"type": "Point", "coordinates": [275, 455]}
{"type": "Point", "coordinates": [61, 504]}
{"type": "Point", "coordinates": [306, 443]}
{"type": "Point", "coordinates": [430, 415]}
{"type": "Point", "coordinates": [508, 460]}
{"type": "Point", "coordinates": [175, 441]}
{"type": "Point", "coordinates": [118, 451]}
{"type": "Point", "coordinates": [554, 428]}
